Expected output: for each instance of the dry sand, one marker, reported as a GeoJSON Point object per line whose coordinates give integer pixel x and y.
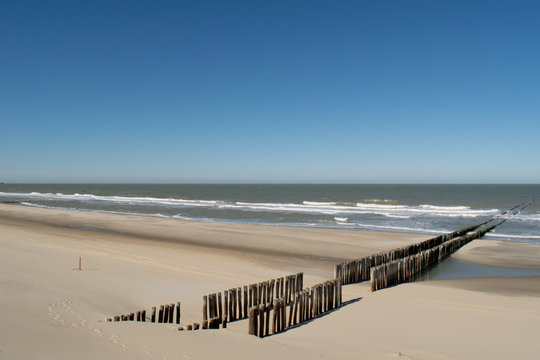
{"type": "Point", "coordinates": [50, 310]}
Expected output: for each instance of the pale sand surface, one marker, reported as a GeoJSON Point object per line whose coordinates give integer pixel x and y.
{"type": "Point", "coordinates": [50, 310]}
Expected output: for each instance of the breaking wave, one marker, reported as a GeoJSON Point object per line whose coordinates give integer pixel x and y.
{"type": "Point", "coordinates": [397, 211]}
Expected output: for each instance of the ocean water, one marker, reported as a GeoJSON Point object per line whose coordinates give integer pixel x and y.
{"type": "Point", "coordinates": [426, 209]}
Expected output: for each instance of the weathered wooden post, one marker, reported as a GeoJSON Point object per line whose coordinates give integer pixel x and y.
{"type": "Point", "coordinates": [311, 307]}
{"type": "Point", "coordinates": [261, 320]}
{"type": "Point", "coordinates": [166, 314]}
{"type": "Point", "coordinates": [291, 309]}
{"type": "Point", "coordinates": [252, 320]}
{"type": "Point", "coordinates": [272, 285]}
{"type": "Point", "coordinates": [274, 315]}
{"type": "Point", "coordinates": [240, 305]}
{"type": "Point", "coordinates": [220, 308]}
{"type": "Point", "coordinates": [307, 307]}
{"type": "Point", "coordinates": [205, 309]}
{"type": "Point", "coordinates": [226, 306]}
{"type": "Point", "coordinates": [213, 306]}
{"type": "Point", "coordinates": [340, 294]}
{"type": "Point", "coordinates": [153, 316]}
{"type": "Point", "coordinates": [245, 303]}
{"type": "Point", "coordinates": [287, 290]}
{"type": "Point", "coordinates": [160, 317]}
{"type": "Point", "coordinates": [267, 320]}
{"type": "Point", "coordinates": [233, 304]}
{"type": "Point", "coordinates": [295, 305]}
{"type": "Point", "coordinates": [284, 315]}
{"type": "Point", "coordinates": [279, 316]}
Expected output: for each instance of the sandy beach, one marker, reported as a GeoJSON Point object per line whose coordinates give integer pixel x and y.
{"type": "Point", "coordinates": [51, 310]}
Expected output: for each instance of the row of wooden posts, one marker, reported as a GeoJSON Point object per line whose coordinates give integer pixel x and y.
{"type": "Point", "coordinates": [409, 268]}
{"type": "Point", "coordinates": [271, 318]}
{"type": "Point", "coordinates": [233, 304]}
{"type": "Point", "coordinates": [360, 269]}
{"type": "Point", "coordinates": [166, 314]}
{"type": "Point", "coordinates": [265, 303]}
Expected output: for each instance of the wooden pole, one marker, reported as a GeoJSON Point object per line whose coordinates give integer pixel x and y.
{"type": "Point", "coordinates": [301, 308]}
{"type": "Point", "coordinates": [287, 288]}
{"type": "Point", "coordinates": [283, 305]}
{"type": "Point", "coordinates": [166, 314]}
{"type": "Point", "coordinates": [261, 320]}
{"type": "Point", "coordinates": [272, 286]}
{"type": "Point", "coordinates": [295, 306]}
{"type": "Point", "coordinates": [80, 263]}
{"type": "Point", "coordinates": [267, 320]}
{"type": "Point", "coordinates": [274, 317]}
{"type": "Point", "coordinates": [178, 312]}
{"type": "Point", "coordinates": [293, 302]}
{"type": "Point", "coordinates": [205, 308]}
{"type": "Point", "coordinates": [245, 303]}
{"type": "Point", "coordinates": [226, 306]}
{"type": "Point", "coordinates": [220, 308]}
{"type": "Point", "coordinates": [233, 304]}
{"type": "Point", "coordinates": [240, 305]}
{"type": "Point", "coordinates": [153, 317]}
{"type": "Point", "coordinates": [252, 320]}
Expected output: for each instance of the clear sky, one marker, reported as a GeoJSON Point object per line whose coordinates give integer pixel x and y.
{"type": "Point", "coordinates": [270, 91]}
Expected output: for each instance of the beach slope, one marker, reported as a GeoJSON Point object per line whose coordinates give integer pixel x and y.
{"type": "Point", "coordinates": [52, 310]}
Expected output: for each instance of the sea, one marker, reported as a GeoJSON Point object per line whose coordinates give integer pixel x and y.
{"type": "Point", "coordinates": [422, 209]}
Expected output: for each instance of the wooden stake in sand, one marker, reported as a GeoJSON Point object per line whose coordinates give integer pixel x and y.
{"type": "Point", "coordinates": [80, 263]}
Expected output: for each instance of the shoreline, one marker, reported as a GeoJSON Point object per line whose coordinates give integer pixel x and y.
{"type": "Point", "coordinates": [249, 238]}
{"type": "Point", "coordinates": [151, 261]}
{"type": "Point", "coordinates": [300, 242]}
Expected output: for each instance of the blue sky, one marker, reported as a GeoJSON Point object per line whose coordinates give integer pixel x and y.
{"type": "Point", "coordinates": [270, 91]}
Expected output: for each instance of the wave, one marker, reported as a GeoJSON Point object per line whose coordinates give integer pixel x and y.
{"type": "Point", "coordinates": [131, 200]}
{"type": "Point", "coordinates": [396, 228]}
{"type": "Point", "coordinates": [316, 203]}
{"type": "Point", "coordinates": [526, 217]}
{"type": "Point", "coordinates": [445, 208]}
{"type": "Point", "coordinates": [306, 207]}
{"type": "Point", "coordinates": [339, 222]}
